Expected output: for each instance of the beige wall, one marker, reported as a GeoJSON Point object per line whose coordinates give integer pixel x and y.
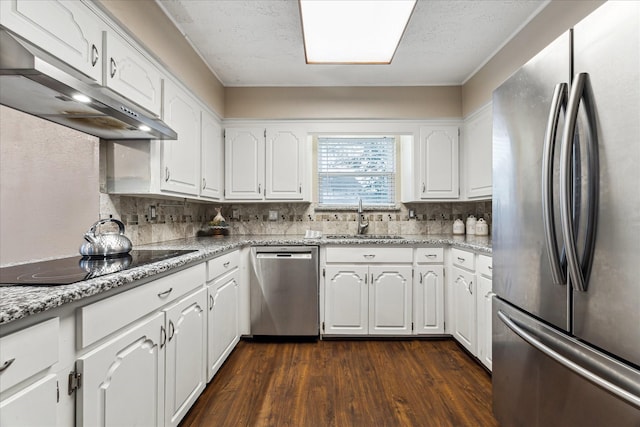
{"type": "Point", "coordinates": [48, 187]}
{"type": "Point", "coordinates": [148, 23]}
{"type": "Point", "coordinates": [396, 102]}
{"type": "Point", "coordinates": [556, 18]}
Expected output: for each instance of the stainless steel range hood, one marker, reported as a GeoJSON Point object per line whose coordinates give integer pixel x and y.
{"type": "Point", "coordinates": [37, 83]}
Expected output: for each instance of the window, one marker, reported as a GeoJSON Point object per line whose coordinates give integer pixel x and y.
{"type": "Point", "coordinates": [350, 168]}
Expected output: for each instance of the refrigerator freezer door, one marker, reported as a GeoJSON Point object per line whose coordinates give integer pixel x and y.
{"type": "Point", "coordinates": [531, 388]}
{"type": "Point", "coordinates": [521, 106]}
{"type": "Point", "coordinates": [607, 47]}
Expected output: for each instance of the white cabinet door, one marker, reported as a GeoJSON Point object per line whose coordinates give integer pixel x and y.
{"type": "Point", "coordinates": [390, 300]}
{"type": "Point", "coordinates": [181, 158]}
{"type": "Point", "coordinates": [212, 161]}
{"type": "Point", "coordinates": [123, 379]}
{"type": "Point", "coordinates": [65, 29]}
{"type": "Point", "coordinates": [132, 75]}
{"type": "Point", "coordinates": [346, 300]}
{"type": "Point", "coordinates": [35, 405]}
{"type": "Point", "coordinates": [244, 163]}
{"type": "Point", "coordinates": [464, 308]}
{"type": "Point", "coordinates": [186, 355]}
{"type": "Point", "coordinates": [428, 299]}
{"type": "Point", "coordinates": [285, 156]}
{"type": "Point", "coordinates": [477, 153]}
{"type": "Point", "coordinates": [485, 296]}
{"type": "Point", "coordinates": [439, 166]}
{"type": "Point", "coordinates": [223, 321]}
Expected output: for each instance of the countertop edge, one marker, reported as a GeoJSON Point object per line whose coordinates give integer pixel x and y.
{"type": "Point", "coordinates": [17, 302]}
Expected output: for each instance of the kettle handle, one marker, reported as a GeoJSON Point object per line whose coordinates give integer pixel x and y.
{"type": "Point", "coordinates": [92, 230]}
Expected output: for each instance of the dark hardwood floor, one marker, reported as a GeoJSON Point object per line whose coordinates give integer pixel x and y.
{"type": "Point", "coordinates": [346, 383]}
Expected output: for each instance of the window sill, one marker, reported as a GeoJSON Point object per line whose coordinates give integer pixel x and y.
{"type": "Point", "coordinates": [355, 208]}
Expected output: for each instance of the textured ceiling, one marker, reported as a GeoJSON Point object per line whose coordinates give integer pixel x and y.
{"type": "Point", "coordinates": [259, 42]}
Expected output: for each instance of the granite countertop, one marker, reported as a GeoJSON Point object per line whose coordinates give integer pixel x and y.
{"type": "Point", "coordinates": [17, 302]}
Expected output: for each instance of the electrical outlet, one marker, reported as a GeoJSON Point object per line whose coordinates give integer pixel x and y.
{"type": "Point", "coordinates": [273, 215]}
{"type": "Point", "coordinates": [152, 213]}
{"type": "Point", "coordinates": [412, 213]}
{"type": "Point", "coordinates": [235, 214]}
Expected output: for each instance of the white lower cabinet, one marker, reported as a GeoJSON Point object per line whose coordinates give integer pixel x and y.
{"type": "Point", "coordinates": [464, 308]}
{"type": "Point", "coordinates": [485, 298]}
{"type": "Point", "coordinates": [346, 300]}
{"type": "Point", "coordinates": [185, 355]}
{"type": "Point", "coordinates": [123, 379]}
{"type": "Point", "coordinates": [428, 299]}
{"type": "Point", "coordinates": [19, 409]}
{"type": "Point", "coordinates": [223, 320]}
{"type": "Point", "coordinates": [370, 298]}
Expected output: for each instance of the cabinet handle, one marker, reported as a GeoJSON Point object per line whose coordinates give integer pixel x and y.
{"type": "Point", "coordinates": [424, 188]}
{"type": "Point", "coordinates": [172, 330]}
{"type": "Point", "coordinates": [6, 364]}
{"type": "Point", "coordinates": [489, 267]}
{"type": "Point", "coordinates": [470, 287]}
{"type": "Point", "coordinates": [420, 278]}
{"type": "Point", "coordinates": [210, 302]}
{"type": "Point", "coordinates": [94, 55]}
{"type": "Point", "coordinates": [461, 259]}
{"type": "Point", "coordinates": [431, 256]}
{"type": "Point", "coordinates": [366, 276]}
{"type": "Point", "coordinates": [300, 188]}
{"type": "Point", "coordinates": [372, 278]}
{"type": "Point", "coordinates": [259, 188]}
{"type": "Point", "coordinates": [163, 336]}
{"type": "Point", "coordinates": [165, 293]}
{"type": "Point", "coordinates": [114, 67]}
{"type": "Point", "coordinates": [204, 183]}
{"type": "Point", "coordinates": [369, 256]}
{"type": "Point", "coordinates": [226, 264]}
{"type": "Point", "coordinates": [167, 174]}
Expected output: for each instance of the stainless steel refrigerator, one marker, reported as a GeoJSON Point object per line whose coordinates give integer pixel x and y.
{"type": "Point", "coordinates": [566, 241]}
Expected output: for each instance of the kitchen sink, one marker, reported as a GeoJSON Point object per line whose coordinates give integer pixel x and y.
{"type": "Point", "coordinates": [364, 236]}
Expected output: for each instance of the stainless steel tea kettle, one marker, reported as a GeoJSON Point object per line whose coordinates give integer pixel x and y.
{"type": "Point", "coordinates": [105, 244]}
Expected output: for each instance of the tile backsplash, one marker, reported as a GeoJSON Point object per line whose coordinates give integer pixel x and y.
{"type": "Point", "coordinates": [177, 219]}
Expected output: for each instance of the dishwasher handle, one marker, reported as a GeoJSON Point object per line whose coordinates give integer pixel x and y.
{"type": "Point", "coordinates": [284, 255]}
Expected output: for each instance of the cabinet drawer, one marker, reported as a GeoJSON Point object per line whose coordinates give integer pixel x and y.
{"type": "Point", "coordinates": [463, 259]}
{"type": "Point", "coordinates": [222, 264]}
{"type": "Point", "coordinates": [429, 255]}
{"type": "Point", "coordinates": [29, 351]}
{"type": "Point", "coordinates": [369, 254]}
{"type": "Point", "coordinates": [100, 319]}
{"type": "Point", "coordinates": [484, 265]}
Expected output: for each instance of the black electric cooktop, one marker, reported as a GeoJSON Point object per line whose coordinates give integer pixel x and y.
{"type": "Point", "coordinates": [65, 271]}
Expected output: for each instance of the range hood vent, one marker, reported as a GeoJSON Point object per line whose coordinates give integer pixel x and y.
{"type": "Point", "coordinates": [34, 82]}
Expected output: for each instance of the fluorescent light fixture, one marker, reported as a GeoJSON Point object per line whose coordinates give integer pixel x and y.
{"type": "Point", "coordinates": [353, 31]}
{"type": "Point", "coordinates": [81, 98]}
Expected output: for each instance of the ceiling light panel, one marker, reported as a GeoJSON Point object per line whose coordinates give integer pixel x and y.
{"type": "Point", "coordinates": [353, 31]}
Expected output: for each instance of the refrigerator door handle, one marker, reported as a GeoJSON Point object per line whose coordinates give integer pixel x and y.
{"type": "Point", "coordinates": [579, 270]}
{"type": "Point", "coordinates": [601, 370]}
{"type": "Point", "coordinates": [558, 103]}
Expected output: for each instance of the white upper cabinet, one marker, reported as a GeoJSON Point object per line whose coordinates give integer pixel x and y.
{"type": "Point", "coordinates": [244, 163]}
{"type": "Point", "coordinates": [67, 30]}
{"type": "Point", "coordinates": [265, 164]}
{"type": "Point", "coordinates": [129, 73]}
{"type": "Point", "coordinates": [477, 136]}
{"type": "Point", "coordinates": [285, 160]}
{"type": "Point", "coordinates": [181, 158]}
{"type": "Point", "coordinates": [439, 155]}
{"type": "Point", "coordinates": [211, 185]}
{"type": "Point", "coordinates": [430, 168]}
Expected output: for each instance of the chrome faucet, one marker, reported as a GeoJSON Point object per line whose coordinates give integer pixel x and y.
{"type": "Point", "coordinates": [362, 226]}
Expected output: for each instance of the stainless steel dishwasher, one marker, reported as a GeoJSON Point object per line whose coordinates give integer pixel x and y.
{"type": "Point", "coordinates": [284, 291]}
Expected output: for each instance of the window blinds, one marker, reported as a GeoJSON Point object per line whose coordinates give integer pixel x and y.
{"type": "Point", "coordinates": [350, 168]}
